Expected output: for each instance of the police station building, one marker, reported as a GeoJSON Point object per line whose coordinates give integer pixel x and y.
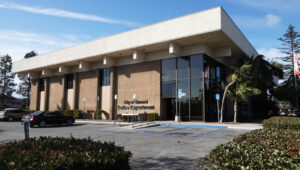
{"type": "Point", "coordinates": [173, 68]}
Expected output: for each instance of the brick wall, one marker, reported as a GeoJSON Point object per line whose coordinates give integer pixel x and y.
{"type": "Point", "coordinates": [87, 87]}
{"type": "Point", "coordinates": [142, 79]}
{"type": "Point", "coordinates": [34, 94]}
{"type": "Point", "coordinates": [56, 93]}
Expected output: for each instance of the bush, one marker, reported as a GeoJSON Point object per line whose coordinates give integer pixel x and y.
{"type": "Point", "coordinates": [152, 116]}
{"type": "Point", "coordinates": [258, 149]}
{"type": "Point", "coordinates": [62, 153]}
{"type": "Point", "coordinates": [65, 112]}
{"type": "Point", "coordinates": [292, 123]}
{"type": "Point", "coordinates": [98, 114]}
{"type": "Point", "coordinates": [77, 114]}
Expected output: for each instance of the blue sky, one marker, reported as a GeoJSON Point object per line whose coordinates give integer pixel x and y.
{"type": "Point", "coordinates": [50, 25]}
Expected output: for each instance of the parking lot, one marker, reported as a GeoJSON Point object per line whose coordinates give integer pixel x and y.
{"type": "Point", "coordinates": [159, 147]}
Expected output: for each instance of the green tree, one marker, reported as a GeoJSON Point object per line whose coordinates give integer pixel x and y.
{"type": "Point", "coordinates": [240, 87]}
{"type": "Point", "coordinates": [6, 77]}
{"type": "Point", "coordinates": [24, 85]}
{"type": "Point", "coordinates": [290, 41]}
{"type": "Point", "coordinates": [243, 87]}
{"type": "Point", "coordinates": [31, 54]}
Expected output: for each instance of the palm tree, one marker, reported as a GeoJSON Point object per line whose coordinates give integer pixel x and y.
{"type": "Point", "coordinates": [240, 87]}
{"type": "Point", "coordinates": [256, 72]}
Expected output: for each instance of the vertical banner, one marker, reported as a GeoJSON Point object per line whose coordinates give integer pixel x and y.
{"type": "Point", "coordinates": [296, 64]}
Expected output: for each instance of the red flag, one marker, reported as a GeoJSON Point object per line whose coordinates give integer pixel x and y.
{"type": "Point", "coordinates": [296, 65]}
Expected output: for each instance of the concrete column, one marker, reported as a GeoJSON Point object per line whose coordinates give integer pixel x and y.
{"type": "Point", "coordinates": [113, 91]}
{"type": "Point", "coordinates": [75, 86]}
{"type": "Point", "coordinates": [65, 93]}
{"type": "Point", "coordinates": [47, 89]}
{"type": "Point", "coordinates": [35, 94]}
{"type": "Point", "coordinates": [98, 74]}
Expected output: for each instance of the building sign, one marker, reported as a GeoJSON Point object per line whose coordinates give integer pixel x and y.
{"type": "Point", "coordinates": [135, 105]}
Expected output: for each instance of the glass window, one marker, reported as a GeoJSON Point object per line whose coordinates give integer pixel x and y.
{"type": "Point", "coordinates": [183, 67]}
{"type": "Point", "coordinates": [184, 101]}
{"type": "Point", "coordinates": [196, 66]}
{"type": "Point", "coordinates": [42, 84]}
{"type": "Point", "coordinates": [70, 78]}
{"type": "Point", "coordinates": [168, 69]}
{"type": "Point", "coordinates": [105, 77]}
{"type": "Point", "coordinates": [196, 87]}
{"type": "Point", "coordinates": [168, 89]}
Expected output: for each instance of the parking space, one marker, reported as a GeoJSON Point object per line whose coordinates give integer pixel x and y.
{"type": "Point", "coordinates": [160, 147]}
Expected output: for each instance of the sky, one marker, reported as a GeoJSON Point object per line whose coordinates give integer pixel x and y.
{"type": "Point", "coordinates": [48, 25]}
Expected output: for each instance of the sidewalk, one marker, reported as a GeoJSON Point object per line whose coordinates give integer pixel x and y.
{"type": "Point", "coordinates": [246, 126]}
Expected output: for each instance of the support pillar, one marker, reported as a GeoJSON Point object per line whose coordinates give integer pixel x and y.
{"type": "Point", "coordinates": [98, 75]}
{"type": "Point", "coordinates": [75, 86]}
{"type": "Point", "coordinates": [47, 90]}
{"type": "Point", "coordinates": [113, 92]}
{"type": "Point", "coordinates": [65, 93]}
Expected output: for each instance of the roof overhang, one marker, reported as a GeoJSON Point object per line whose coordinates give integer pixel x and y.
{"type": "Point", "coordinates": [212, 28]}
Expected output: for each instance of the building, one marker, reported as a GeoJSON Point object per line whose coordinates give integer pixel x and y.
{"type": "Point", "coordinates": [173, 68]}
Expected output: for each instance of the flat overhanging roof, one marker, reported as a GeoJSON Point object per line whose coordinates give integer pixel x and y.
{"type": "Point", "coordinates": [212, 27]}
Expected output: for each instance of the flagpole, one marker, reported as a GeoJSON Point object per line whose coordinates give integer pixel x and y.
{"type": "Point", "coordinates": [295, 78]}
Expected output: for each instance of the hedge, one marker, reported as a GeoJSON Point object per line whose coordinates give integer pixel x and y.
{"type": "Point", "coordinates": [258, 149]}
{"type": "Point", "coordinates": [152, 116]}
{"type": "Point", "coordinates": [63, 153]}
{"type": "Point", "coordinates": [282, 123]}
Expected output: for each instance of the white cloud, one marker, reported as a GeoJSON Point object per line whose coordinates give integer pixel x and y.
{"type": "Point", "coordinates": [271, 53]}
{"type": "Point", "coordinates": [18, 43]}
{"type": "Point", "coordinates": [267, 21]}
{"type": "Point", "coordinates": [66, 14]}
{"type": "Point", "coordinates": [272, 20]}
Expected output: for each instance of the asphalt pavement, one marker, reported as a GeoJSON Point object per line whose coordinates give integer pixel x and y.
{"type": "Point", "coordinates": [159, 147]}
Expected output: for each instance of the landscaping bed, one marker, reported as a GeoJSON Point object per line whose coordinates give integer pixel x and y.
{"type": "Point", "coordinates": [63, 153]}
{"type": "Point", "coordinates": [270, 148]}
{"type": "Point", "coordinates": [282, 122]}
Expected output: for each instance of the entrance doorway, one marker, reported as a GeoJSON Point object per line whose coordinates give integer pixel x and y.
{"type": "Point", "coordinates": [186, 74]}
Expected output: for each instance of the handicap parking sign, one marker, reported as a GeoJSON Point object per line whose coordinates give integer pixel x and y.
{"type": "Point", "coordinates": [218, 96]}
{"type": "Point", "coordinates": [179, 93]}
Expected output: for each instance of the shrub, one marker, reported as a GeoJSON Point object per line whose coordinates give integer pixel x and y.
{"type": "Point", "coordinates": [77, 114]}
{"type": "Point", "coordinates": [63, 153]}
{"type": "Point", "coordinates": [282, 123]}
{"type": "Point", "coordinates": [152, 116]}
{"type": "Point", "coordinates": [258, 149]}
{"type": "Point", "coordinates": [65, 112]}
{"type": "Point", "coordinates": [98, 114]}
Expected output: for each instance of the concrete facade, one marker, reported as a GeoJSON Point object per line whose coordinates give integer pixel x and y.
{"type": "Point", "coordinates": [134, 59]}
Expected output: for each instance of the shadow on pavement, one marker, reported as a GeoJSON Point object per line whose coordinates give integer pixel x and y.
{"type": "Point", "coordinates": [60, 126]}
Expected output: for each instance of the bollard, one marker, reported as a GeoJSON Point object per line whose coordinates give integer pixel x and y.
{"type": "Point", "coordinates": [26, 128]}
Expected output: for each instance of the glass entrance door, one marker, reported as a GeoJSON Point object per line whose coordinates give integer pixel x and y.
{"type": "Point", "coordinates": [183, 84]}
{"type": "Point", "coordinates": [186, 74]}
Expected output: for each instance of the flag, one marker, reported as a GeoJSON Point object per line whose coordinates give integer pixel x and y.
{"type": "Point", "coordinates": [206, 75]}
{"type": "Point", "coordinates": [296, 65]}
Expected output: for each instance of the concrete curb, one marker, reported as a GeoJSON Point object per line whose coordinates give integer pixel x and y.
{"type": "Point", "coordinates": [199, 126]}
{"type": "Point", "coordinates": [241, 127]}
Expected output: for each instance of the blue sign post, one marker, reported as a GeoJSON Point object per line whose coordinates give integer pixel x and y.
{"type": "Point", "coordinates": [179, 93]}
{"type": "Point", "coordinates": [179, 97]}
{"type": "Point", "coordinates": [218, 99]}
{"type": "Point", "coordinates": [218, 96]}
